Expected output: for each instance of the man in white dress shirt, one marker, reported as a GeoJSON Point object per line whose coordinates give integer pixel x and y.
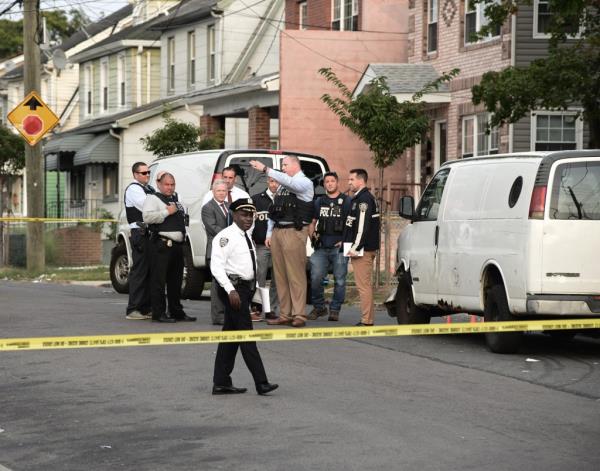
{"type": "Point", "coordinates": [233, 265]}
{"type": "Point", "coordinates": [233, 192]}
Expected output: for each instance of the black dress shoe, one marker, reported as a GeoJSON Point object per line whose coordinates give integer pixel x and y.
{"type": "Point", "coordinates": [218, 390]}
{"type": "Point", "coordinates": [265, 388]}
{"type": "Point", "coordinates": [358, 324]}
{"type": "Point", "coordinates": [185, 318]}
{"type": "Point", "coordinates": [168, 319]}
{"type": "Point", "coordinates": [217, 323]}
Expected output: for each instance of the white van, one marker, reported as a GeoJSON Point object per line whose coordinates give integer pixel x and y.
{"type": "Point", "coordinates": [509, 236]}
{"type": "Point", "coordinates": [194, 173]}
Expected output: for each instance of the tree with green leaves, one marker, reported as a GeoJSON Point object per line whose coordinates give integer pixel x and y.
{"type": "Point", "coordinates": [60, 25]}
{"type": "Point", "coordinates": [177, 137]}
{"type": "Point", "coordinates": [569, 76]}
{"type": "Point", "coordinates": [387, 126]}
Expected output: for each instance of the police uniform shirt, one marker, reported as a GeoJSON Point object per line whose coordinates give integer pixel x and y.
{"type": "Point", "coordinates": [155, 212]}
{"type": "Point", "coordinates": [362, 224]}
{"type": "Point", "coordinates": [231, 256]}
{"type": "Point", "coordinates": [135, 197]}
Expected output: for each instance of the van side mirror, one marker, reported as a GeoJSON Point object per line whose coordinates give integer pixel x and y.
{"type": "Point", "coordinates": [407, 207]}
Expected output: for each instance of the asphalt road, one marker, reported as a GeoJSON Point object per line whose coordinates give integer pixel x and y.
{"type": "Point", "coordinates": [406, 403]}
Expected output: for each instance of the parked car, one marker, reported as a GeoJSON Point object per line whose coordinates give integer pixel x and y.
{"type": "Point", "coordinates": [194, 173]}
{"type": "Point", "coordinates": [512, 236]}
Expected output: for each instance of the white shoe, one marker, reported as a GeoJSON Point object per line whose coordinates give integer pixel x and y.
{"type": "Point", "coordinates": [136, 316]}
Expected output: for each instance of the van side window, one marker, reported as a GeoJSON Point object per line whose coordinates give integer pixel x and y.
{"type": "Point", "coordinates": [432, 197]}
{"type": "Point", "coordinates": [515, 192]}
{"type": "Point", "coordinates": [576, 191]}
{"type": "Point", "coordinates": [247, 178]}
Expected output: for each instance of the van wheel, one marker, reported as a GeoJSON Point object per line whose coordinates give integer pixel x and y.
{"type": "Point", "coordinates": [496, 310]}
{"type": "Point", "coordinates": [119, 269]}
{"type": "Point", "coordinates": [406, 310]}
{"type": "Point", "coordinates": [193, 278]}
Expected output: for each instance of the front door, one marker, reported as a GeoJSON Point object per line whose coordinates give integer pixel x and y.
{"type": "Point", "coordinates": [424, 240]}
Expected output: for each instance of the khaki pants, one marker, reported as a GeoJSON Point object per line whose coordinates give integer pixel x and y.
{"type": "Point", "coordinates": [288, 252]}
{"type": "Point", "coordinates": [363, 275]}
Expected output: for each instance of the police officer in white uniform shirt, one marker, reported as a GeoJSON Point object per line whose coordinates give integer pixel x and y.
{"type": "Point", "coordinates": [233, 265]}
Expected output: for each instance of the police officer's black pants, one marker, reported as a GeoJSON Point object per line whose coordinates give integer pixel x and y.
{"type": "Point", "coordinates": [166, 270]}
{"type": "Point", "coordinates": [139, 274]}
{"type": "Point", "coordinates": [226, 352]}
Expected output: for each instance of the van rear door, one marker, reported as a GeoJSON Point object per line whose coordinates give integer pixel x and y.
{"type": "Point", "coordinates": [571, 240]}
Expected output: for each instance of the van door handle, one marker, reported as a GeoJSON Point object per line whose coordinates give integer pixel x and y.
{"type": "Point", "coordinates": [437, 235]}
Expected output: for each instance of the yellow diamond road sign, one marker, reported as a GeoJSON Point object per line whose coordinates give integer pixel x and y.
{"type": "Point", "coordinates": [32, 118]}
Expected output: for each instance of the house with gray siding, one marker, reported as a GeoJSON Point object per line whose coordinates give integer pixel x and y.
{"type": "Point", "coordinates": [440, 39]}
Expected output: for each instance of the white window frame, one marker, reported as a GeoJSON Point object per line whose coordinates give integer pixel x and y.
{"type": "Point", "coordinates": [191, 68]}
{"type": "Point", "coordinates": [338, 14]}
{"type": "Point", "coordinates": [480, 21]}
{"type": "Point", "coordinates": [570, 112]}
{"type": "Point", "coordinates": [437, 141]}
{"type": "Point", "coordinates": [432, 19]}
{"type": "Point", "coordinates": [88, 84]}
{"type": "Point", "coordinates": [476, 131]}
{"type": "Point", "coordinates": [211, 54]}
{"type": "Point", "coordinates": [104, 91]}
{"type": "Point", "coordinates": [536, 13]}
{"type": "Point", "coordinates": [302, 11]}
{"type": "Point", "coordinates": [171, 64]}
{"type": "Point", "coordinates": [121, 83]}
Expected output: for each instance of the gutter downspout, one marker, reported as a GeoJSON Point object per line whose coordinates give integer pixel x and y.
{"type": "Point", "coordinates": [218, 14]}
{"type": "Point", "coordinates": [120, 139]}
{"type": "Point", "coordinates": [138, 75]}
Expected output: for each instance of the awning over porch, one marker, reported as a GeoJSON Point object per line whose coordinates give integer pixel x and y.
{"type": "Point", "coordinates": [68, 143]}
{"type": "Point", "coordinates": [103, 149]}
{"type": "Point", "coordinates": [405, 80]}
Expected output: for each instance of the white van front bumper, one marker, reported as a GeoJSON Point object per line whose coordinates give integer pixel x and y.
{"type": "Point", "coordinates": [564, 305]}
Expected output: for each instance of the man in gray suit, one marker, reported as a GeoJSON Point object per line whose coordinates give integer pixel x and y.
{"type": "Point", "coordinates": [215, 217]}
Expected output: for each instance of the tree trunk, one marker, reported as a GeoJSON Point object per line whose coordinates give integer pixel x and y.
{"type": "Point", "coordinates": [381, 229]}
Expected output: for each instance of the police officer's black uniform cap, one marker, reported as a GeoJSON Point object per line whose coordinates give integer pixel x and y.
{"type": "Point", "coordinates": [243, 204]}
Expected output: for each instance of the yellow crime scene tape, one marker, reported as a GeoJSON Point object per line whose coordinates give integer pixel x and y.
{"type": "Point", "coordinates": [268, 335]}
{"type": "Point", "coordinates": [14, 219]}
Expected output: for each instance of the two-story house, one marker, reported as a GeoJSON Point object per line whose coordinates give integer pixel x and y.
{"type": "Point", "coordinates": [441, 37]}
{"type": "Point", "coordinates": [115, 75]}
{"type": "Point", "coordinates": [209, 63]}
{"type": "Point", "coordinates": [59, 82]}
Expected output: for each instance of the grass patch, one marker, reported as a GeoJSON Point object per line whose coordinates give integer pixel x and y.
{"type": "Point", "coordinates": [57, 274]}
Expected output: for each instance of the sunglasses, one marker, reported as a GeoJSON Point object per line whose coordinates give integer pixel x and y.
{"type": "Point", "coordinates": [144, 173]}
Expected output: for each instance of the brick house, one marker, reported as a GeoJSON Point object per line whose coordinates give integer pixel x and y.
{"type": "Point", "coordinates": [346, 36]}
{"type": "Point", "coordinates": [441, 36]}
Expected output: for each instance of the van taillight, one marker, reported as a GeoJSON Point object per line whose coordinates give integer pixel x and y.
{"type": "Point", "coordinates": [216, 176]}
{"type": "Point", "coordinates": [538, 203]}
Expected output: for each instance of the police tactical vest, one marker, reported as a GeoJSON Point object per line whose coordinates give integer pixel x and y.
{"type": "Point", "coordinates": [330, 221]}
{"type": "Point", "coordinates": [174, 222]}
{"type": "Point", "coordinates": [288, 209]}
{"type": "Point", "coordinates": [263, 202]}
{"type": "Point", "coordinates": [133, 214]}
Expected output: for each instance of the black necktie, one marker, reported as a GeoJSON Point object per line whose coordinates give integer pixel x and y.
{"type": "Point", "coordinates": [249, 242]}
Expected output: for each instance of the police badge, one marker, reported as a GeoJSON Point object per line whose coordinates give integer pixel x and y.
{"type": "Point", "coordinates": [363, 206]}
{"type": "Point", "coordinates": [223, 241]}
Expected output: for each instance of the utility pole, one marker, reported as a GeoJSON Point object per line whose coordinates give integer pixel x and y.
{"type": "Point", "coordinates": [34, 166]}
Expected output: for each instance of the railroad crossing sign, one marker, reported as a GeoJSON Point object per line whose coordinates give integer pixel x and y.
{"type": "Point", "coordinates": [32, 118]}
